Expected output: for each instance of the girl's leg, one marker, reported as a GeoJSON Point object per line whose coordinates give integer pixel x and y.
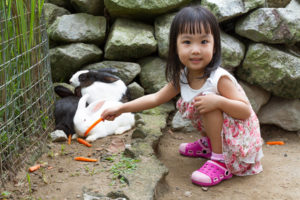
{"type": "Point", "coordinates": [213, 171]}
{"type": "Point", "coordinates": [213, 123]}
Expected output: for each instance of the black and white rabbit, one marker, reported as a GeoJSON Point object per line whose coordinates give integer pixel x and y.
{"type": "Point", "coordinates": [100, 85]}
{"type": "Point", "coordinates": [65, 109]}
{"type": "Point", "coordinates": [86, 115]}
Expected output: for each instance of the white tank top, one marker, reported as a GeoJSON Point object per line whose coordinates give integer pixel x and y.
{"type": "Point", "coordinates": [210, 85]}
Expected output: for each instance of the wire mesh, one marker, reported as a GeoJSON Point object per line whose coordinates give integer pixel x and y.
{"type": "Point", "coordinates": [26, 90]}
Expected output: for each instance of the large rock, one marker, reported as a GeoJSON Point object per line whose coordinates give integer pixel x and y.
{"type": "Point", "coordinates": [152, 76]}
{"type": "Point", "coordinates": [93, 7]}
{"type": "Point", "coordinates": [129, 39]}
{"type": "Point", "coordinates": [67, 59]}
{"type": "Point", "coordinates": [271, 25]}
{"type": "Point", "coordinates": [127, 71]}
{"type": "Point", "coordinates": [233, 51]}
{"type": "Point", "coordinates": [272, 69]}
{"type": "Point", "coordinates": [162, 26]}
{"type": "Point", "coordinates": [79, 27]}
{"type": "Point", "coordinates": [225, 10]}
{"type": "Point", "coordinates": [135, 90]}
{"type": "Point", "coordinates": [53, 11]}
{"type": "Point", "coordinates": [281, 112]}
{"type": "Point", "coordinates": [277, 3]}
{"type": "Point", "coordinates": [180, 124]}
{"type": "Point", "coordinates": [142, 9]}
{"type": "Point", "coordinates": [257, 96]}
{"type": "Point", "coordinates": [294, 5]}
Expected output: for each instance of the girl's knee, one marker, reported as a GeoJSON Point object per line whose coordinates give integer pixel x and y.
{"type": "Point", "coordinates": [215, 114]}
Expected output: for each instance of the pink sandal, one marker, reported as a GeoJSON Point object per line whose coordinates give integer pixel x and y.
{"type": "Point", "coordinates": [211, 173]}
{"type": "Point", "coordinates": [196, 149]}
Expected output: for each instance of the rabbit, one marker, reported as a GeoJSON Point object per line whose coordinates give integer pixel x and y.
{"type": "Point", "coordinates": [65, 109]}
{"type": "Point", "coordinates": [86, 116]}
{"type": "Point", "coordinates": [100, 85]}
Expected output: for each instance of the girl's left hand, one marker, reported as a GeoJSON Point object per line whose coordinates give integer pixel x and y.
{"type": "Point", "coordinates": [206, 103]}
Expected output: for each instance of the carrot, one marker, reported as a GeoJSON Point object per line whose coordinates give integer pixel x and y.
{"type": "Point", "coordinates": [275, 143]}
{"type": "Point", "coordinates": [85, 159]}
{"type": "Point", "coordinates": [34, 167]}
{"type": "Point", "coordinates": [69, 139]}
{"type": "Point", "coordinates": [82, 141]}
{"type": "Point", "coordinates": [92, 126]}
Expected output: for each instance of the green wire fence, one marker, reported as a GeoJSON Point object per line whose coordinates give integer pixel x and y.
{"type": "Point", "coordinates": [26, 90]}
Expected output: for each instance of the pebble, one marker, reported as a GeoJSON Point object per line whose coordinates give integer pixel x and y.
{"type": "Point", "coordinates": [188, 193]}
{"type": "Point", "coordinates": [204, 188]}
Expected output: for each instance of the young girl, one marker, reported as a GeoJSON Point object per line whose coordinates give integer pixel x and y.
{"type": "Point", "coordinates": [210, 97]}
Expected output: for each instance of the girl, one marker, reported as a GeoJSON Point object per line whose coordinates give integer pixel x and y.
{"type": "Point", "coordinates": [210, 97]}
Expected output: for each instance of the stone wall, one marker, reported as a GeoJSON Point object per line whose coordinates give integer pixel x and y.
{"type": "Point", "coordinates": [260, 46]}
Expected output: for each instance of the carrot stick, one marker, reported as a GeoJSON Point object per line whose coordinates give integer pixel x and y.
{"type": "Point", "coordinates": [92, 126]}
{"type": "Point", "coordinates": [69, 139]}
{"type": "Point", "coordinates": [275, 143]}
{"type": "Point", "coordinates": [34, 167]}
{"type": "Point", "coordinates": [82, 141]}
{"type": "Point", "coordinates": [85, 159]}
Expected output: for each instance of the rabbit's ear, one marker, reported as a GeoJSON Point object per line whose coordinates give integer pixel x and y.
{"type": "Point", "coordinates": [77, 91]}
{"type": "Point", "coordinates": [106, 77]}
{"type": "Point", "coordinates": [63, 91]}
{"type": "Point", "coordinates": [97, 106]}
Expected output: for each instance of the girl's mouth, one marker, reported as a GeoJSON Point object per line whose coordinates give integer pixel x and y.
{"type": "Point", "coordinates": [195, 60]}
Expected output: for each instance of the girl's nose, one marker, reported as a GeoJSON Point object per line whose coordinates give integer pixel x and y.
{"type": "Point", "coordinates": [196, 49]}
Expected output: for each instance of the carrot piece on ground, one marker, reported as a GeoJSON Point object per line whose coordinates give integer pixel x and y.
{"type": "Point", "coordinates": [69, 139]}
{"type": "Point", "coordinates": [92, 126]}
{"type": "Point", "coordinates": [85, 159]}
{"type": "Point", "coordinates": [275, 143]}
{"type": "Point", "coordinates": [34, 168]}
{"type": "Point", "coordinates": [82, 141]}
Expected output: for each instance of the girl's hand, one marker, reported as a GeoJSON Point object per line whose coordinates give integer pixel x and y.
{"type": "Point", "coordinates": [111, 113]}
{"type": "Point", "coordinates": [206, 103]}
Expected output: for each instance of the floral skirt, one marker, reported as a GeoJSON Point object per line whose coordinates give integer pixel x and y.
{"type": "Point", "coordinates": [241, 139]}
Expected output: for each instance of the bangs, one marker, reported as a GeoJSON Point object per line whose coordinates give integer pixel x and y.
{"type": "Point", "coordinates": [193, 26]}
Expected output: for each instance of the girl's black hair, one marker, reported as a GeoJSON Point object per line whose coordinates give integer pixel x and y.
{"type": "Point", "coordinates": [189, 20]}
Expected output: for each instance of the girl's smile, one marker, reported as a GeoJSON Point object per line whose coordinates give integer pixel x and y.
{"type": "Point", "coordinates": [195, 51]}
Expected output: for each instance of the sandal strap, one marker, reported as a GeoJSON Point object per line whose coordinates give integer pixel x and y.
{"type": "Point", "coordinates": [193, 148]}
{"type": "Point", "coordinates": [215, 171]}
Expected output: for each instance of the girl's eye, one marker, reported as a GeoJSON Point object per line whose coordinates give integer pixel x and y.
{"type": "Point", "coordinates": [186, 42]}
{"type": "Point", "coordinates": [204, 42]}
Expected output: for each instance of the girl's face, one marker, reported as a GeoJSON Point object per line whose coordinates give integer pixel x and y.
{"type": "Point", "coordinates": [195, 51]}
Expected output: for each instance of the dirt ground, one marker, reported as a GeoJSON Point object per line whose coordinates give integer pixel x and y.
{"type": "Point", "coordinates": [62, 178]}
{"type": "Point", "coordinates": [280, 179]}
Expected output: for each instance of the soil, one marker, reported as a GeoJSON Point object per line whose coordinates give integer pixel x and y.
{"type": "Point", "coordinates": [64, 178]}
{"type": "Point", "coordinates": [280, 178]}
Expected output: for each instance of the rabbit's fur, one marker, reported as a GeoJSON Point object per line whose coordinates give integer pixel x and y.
{"type": "Point", "coordinates": [65, 109]}
{"type": "Point", "coordinates": [100, 85]}
{"type": "Point", "coordinates": [86, 116]}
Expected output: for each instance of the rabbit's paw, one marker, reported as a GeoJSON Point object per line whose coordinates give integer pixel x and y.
{"type": "Point", "coordinates": [91, 138]}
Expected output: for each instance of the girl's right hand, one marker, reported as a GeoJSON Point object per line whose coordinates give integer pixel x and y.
{"type": "Point", "coordinates": [111, 113]}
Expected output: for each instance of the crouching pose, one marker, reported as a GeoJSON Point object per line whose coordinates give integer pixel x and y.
{"type": "Point", "coordinates": [210, 97]}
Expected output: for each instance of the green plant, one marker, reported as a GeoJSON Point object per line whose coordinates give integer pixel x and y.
{"type": "Point", "coordinates": [125, 165]}
{"type": "Point", "coordinates": [5, 194]}
{"type": "Point", "coordinates": [29, 183]}
{"type": "Point", "coordinates": [62, 149]}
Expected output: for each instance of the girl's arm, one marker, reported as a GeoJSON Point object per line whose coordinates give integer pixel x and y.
{"type": "Point", "coordinates": [145, 102]}
{"type": "Point", "coordinates": [230, 101]}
